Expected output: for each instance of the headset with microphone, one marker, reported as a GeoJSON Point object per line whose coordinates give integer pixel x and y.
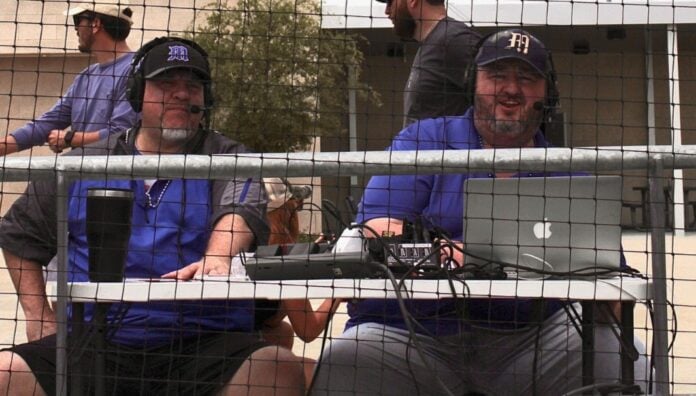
{"type": "Point", "coordinates": [551, 100]}
{"type": "Point", "coordinates": [135, 86]}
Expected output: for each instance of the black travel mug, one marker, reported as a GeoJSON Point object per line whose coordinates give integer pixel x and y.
{"type": "Point", "coordinates": [109, 212]}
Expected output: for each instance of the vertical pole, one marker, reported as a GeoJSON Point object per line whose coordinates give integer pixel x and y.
{"type": "Point", "coordinates": [588, 350]}
{"type": "Point", "coordinates": [675, 124]}
{"type": "Point", "coordinates": [61, 308]}
{"type": "Point", "coordinates": [659, 273]}
{"type": "Point", "coordinates": [627, 337]}
{"type": "Point", "coordinates": [352, 123]}
{"type": "Point", "coordinates": [650, 86]}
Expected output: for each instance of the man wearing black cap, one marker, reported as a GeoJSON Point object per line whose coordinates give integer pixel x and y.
{"type": "Point", "coordinates": [94, 106]}
{"type": "Point", "coordinates": [497, 347]}
{"type": "Point", "coordinates": [435, 86]}
{"type": "Point", "coordinates": [180, 228]}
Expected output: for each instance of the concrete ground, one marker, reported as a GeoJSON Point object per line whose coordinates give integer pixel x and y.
{"type": "Point", "coordinates": [681, 271]}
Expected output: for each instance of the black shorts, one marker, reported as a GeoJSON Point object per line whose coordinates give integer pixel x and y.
{"type": "Point", "coordinates": [200, 366]}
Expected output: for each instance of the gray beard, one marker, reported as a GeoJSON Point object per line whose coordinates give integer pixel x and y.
{"type": "Point", "coordinates": [175, 135]}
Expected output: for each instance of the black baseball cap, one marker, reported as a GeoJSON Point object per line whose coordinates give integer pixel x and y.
{"type": "Point", "coordinates": [175, 55]}
{"type": "Point", "coordinates": [514, 44]}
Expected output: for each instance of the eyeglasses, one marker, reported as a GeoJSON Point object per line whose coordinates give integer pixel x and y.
{"type": "Point", "coordinates": [77, 19]}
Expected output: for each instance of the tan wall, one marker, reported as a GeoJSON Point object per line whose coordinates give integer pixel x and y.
{"type": "Point", "coordinates": [31, 26]}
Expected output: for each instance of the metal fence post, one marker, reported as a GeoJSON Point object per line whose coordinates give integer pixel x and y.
{"type": "Point", "coordinates": [659, 275]}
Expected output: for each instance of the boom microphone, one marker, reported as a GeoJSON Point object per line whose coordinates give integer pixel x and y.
{"type": "Point", "coordinates": [195, 109]}
{"type": "Point", "coordinates": [538, 106]}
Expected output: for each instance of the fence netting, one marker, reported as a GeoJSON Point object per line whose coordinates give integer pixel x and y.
{"type": "Point", "coordinates": [325, 196]}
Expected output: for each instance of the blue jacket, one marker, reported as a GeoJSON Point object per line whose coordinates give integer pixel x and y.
{"type": "Point", "coordinates": [164, 238]}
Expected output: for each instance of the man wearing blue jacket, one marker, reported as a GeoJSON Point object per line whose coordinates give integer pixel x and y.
{"type": "Point", "coordinates": [180, 228]}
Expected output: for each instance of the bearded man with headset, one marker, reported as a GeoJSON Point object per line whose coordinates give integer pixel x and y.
{"type": "Point", "coordinates": [180, 228]}
{"type": "Point", "coordinates": [472, 346]}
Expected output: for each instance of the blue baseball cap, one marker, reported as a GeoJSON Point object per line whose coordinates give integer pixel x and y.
{"type": "Point", "coordinates": [514, 44]}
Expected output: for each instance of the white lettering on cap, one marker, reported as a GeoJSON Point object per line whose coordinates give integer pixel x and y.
{"type": "Point", "coordinates": [178, 53]}
{"type": "Point", "coordinates": [520, 42]}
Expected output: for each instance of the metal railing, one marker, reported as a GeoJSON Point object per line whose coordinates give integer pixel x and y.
{"type": "Point", "coordinates": [654, 159]}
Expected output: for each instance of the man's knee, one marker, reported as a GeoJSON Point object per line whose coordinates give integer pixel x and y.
{"type": "Point", "coordinates": [271, 367]}
{"type": "Point", "coordinates": [16, 377]}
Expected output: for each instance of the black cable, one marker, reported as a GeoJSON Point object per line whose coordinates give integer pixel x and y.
{"type": "Point", "coordinates": [535, 361]}
{"type": "Point", "coordinates": [409, 326]}
{"type": "Point", "coordinates": [675, 332]}
{"type": "Point", "coordinates": [578, 272]}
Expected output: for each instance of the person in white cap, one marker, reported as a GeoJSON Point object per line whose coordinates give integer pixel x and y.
{"type": "Point", "coordinates": [94, 107]}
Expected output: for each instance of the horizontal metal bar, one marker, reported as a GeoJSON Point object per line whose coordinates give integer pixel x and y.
{"type": "Point", "coordinates": [346, 163]}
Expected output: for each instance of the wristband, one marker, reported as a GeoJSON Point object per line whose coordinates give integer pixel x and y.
{"type": "Point", "coordinates": [68, 137]}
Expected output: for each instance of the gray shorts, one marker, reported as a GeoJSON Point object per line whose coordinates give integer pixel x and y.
{"type": "Point", "coordinates": [373, 359]}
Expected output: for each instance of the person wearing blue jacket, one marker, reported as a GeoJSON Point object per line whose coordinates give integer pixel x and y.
{"type": "Point", "coordinates": [476, 346]}
{"type": "Point", "coordinates": [180, 228]}
{"type": "Point", "coordinates": [94, 106]}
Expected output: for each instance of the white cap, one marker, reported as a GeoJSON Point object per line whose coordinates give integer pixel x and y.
{"type": "Point", "coordinates": [114, 8]}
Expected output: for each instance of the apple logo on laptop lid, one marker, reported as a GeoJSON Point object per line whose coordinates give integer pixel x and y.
{"type": "Point", "coordinates": [542, 229]}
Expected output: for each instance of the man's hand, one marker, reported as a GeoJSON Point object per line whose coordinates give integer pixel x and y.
{"type": "Point", "coordinates": [209, 265]}
{"type": "Point", "coordinates": [56, 140]}
{"type": "Point", "coordinates": [41, 327]}
{"type": "Point", "coordinates": [453, 257]}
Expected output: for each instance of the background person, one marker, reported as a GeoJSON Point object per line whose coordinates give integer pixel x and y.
{"type": "Point", "coordinates": [284, 201]}
{"type": "Point", "coordinates": [94, 106]}
{"type": "Point", "coordinates": [435, 86]}
{"type": "Point", "coordinates": [180, 229]}
{"type": "Point", "coordinates": [502, 347]}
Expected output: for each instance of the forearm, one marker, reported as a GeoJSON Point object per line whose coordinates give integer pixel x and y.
{"type": "Point", "coordinates": [230, 236]}
{"type": "Point", "coordinates": [28, 280]}
{"type": "Point", "coordinates": [306, 322]}
{"type": "Point", "coordinates": [383, 226]}
{"type": "Point", "coordinates": [81, 139]}
{"type": "Point", "coordinates": [8, 145]}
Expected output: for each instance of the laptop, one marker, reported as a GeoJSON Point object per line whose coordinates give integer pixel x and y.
{"type": "Point", "coordinates": [568, 227]}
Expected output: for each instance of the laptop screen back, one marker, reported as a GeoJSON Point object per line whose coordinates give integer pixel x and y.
{"type": "Point", "coordinates": [567, 225]}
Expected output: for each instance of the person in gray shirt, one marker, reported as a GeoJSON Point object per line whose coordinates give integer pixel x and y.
{"type": "Point", "coordinates": [436, 85]}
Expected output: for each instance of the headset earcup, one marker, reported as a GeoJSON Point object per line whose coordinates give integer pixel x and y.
{"type": "Point", "coordinates": [134, 91]}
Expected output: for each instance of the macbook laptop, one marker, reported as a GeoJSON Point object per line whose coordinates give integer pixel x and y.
{"type": "Point", "coordinates": [564, 226]}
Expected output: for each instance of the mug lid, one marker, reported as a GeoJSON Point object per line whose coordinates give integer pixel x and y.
{"type": "Point", "coordinates": [110, 192]}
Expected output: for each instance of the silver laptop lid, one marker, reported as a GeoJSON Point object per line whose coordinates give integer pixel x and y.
{"type": "Point", "coordinates": [566, 225]}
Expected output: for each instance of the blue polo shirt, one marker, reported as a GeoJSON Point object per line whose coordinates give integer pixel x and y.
{"type": "Point", "coordinates": [438, 201]}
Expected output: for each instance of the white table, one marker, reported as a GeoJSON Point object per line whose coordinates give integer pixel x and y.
{"type": "Point", "coordinates": [589, 292]}
{"type": "Point", "coordinates": [220, 288]}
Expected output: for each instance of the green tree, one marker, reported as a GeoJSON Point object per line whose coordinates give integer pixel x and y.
{"type": "Point", "coordinates": [280, 80]}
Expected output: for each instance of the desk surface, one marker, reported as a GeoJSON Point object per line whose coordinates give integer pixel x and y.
{"type": "Point", "coordinates": [221, 288]}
